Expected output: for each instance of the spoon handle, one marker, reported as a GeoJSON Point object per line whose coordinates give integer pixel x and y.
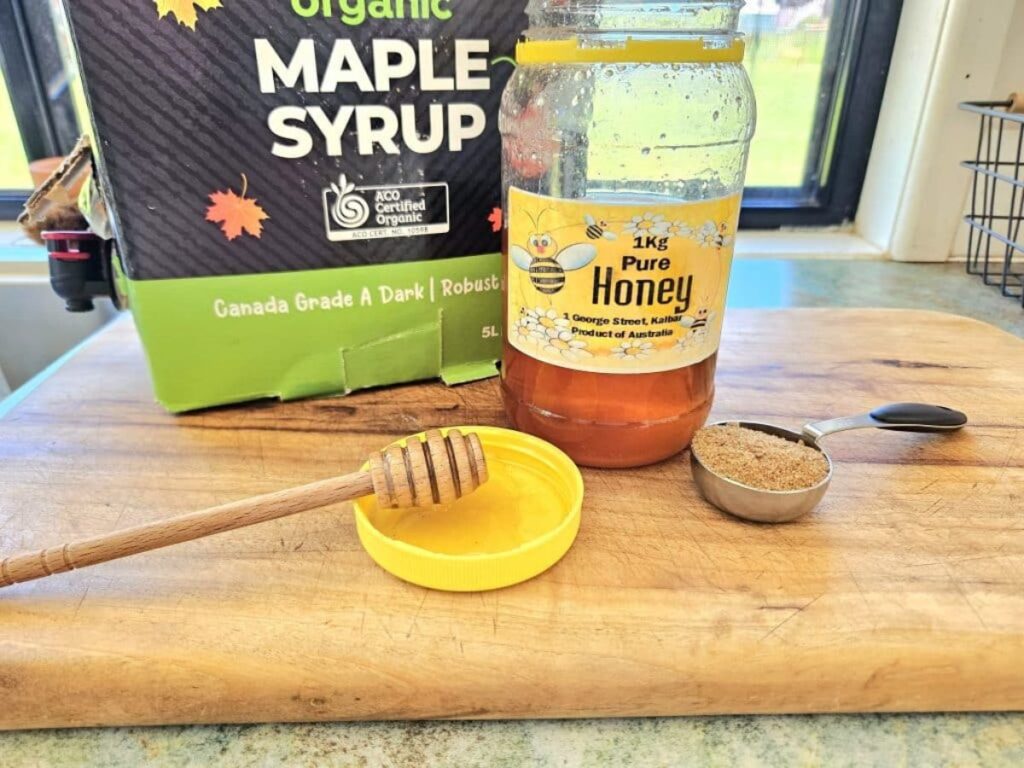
{"type": "Point", "coordinates": [918, 417]}
{"type": "Point", "coordinates": [901, 417]}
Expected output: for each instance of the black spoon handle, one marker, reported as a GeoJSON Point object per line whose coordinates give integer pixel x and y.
{"type": "Point", "coordinates": [918, 417]}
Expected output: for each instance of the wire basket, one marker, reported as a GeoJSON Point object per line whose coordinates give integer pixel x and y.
{"type": "Point", "coordinates": [997, 197]}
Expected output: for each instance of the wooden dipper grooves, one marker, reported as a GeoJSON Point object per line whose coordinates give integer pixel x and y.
{"type": "Point", "coordinates": [437, 469]}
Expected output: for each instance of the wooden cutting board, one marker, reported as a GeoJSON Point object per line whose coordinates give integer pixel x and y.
{"type": "Point", "coordinates": [905, 591]}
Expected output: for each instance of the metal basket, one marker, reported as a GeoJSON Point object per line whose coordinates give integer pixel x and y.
{"type": "Point", "coordinates": [997, 198]}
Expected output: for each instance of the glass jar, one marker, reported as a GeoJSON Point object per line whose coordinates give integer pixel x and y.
{"type": "Point", "coordinates": [625, 131]}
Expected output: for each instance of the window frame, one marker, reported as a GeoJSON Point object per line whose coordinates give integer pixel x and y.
{"type": "Point", "coordinates": [858, 55]}
{"type": "Point", "coordinates": [40, 114]}
{"type": "Point", "coordinates": [856, 66]}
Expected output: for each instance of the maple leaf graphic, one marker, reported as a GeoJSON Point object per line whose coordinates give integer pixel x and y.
{"type": "Point", "coordinates": [185, 10]}
{"type": "Point", "coordinates": [237, 213]}
{"type": "Point", "coordinates": [496, 219]}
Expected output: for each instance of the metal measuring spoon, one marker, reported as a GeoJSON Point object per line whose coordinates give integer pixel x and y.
{"type": "Point", "coordinates": [782, 506]}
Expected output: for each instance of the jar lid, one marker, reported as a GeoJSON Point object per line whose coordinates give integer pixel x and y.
{"type": "Point", "coordinates": [517, 525]}
{"type": "Point", "coordinates": [628, 50]}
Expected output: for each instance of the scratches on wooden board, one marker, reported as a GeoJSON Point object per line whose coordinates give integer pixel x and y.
{"type": "Point", "coordinates": [791, 616]}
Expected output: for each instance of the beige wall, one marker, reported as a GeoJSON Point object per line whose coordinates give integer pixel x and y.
{"type": "Point", "coordinates": [1009, 79]}
{"type": "Point", "coordinates": [35, 329]}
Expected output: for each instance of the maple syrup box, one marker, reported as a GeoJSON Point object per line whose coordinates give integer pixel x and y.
{"type": "Point", "coordinates": [306, 193]}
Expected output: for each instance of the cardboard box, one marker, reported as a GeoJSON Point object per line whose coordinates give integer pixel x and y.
{"type": "Point", "coordinates": [306, 193]}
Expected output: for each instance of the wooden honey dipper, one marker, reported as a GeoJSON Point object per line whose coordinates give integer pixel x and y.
{"type": "Point", "coordinates": [438, 469]}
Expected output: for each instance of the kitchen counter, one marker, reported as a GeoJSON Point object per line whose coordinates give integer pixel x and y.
{"type": "Point", "coordinates": [989, 740]}
{"type": "Point", "coordinates": [864, 741]}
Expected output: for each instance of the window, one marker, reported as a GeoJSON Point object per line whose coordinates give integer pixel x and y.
{"type": "Point", "coordinates": [37, 107]}
{"type": "Point", "coordinates": [818, 67]}
{"type": "Point", "coordinates": [13, 161]}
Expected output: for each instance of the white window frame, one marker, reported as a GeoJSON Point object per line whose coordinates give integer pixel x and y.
{"type": "Point", "coordinates": [947, 51]}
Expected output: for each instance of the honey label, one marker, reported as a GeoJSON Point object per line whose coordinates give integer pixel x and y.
{"type": "Point", "coordinates": [634, 287]}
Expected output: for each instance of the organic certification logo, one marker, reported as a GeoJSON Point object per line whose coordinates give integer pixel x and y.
{"type": "Point", "coordinates": [373, 211]}
{"type": "Point", "coordinates": [349, 210]}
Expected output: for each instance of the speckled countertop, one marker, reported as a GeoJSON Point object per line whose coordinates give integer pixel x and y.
{"type": "Point", "coordinates": [864, 741]}
{"type": "Point", "coordinates": [989, 740]}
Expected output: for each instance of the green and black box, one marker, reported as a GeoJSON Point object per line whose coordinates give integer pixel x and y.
{"type": "Point", "coordinates": [306, 194]}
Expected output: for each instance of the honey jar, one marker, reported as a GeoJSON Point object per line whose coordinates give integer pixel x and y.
{"type": "Point", "coordinates": [625, 132]}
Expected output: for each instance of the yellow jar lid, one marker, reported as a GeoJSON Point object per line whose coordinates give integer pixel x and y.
{"type": "Point", "coordinates": [518, 524]}
{"type": "Point", "coordinates": [630, 50]}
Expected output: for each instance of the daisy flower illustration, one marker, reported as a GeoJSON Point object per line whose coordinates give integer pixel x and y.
{"type": "Point", "coordinates": [713, 235]}
{"type": "Point", "coordinates": [567, 346]}
{"type": "Point", "coordinates": [520, 330]}
{"type": "Point", "coordinates": [542, 324]}
{"type": "Point", "coordinates": [692, 338]}
{"type": "Point", "coordinates": [679, 229]}
{"type": "Point", "coordinates": [552, 333]}
{"type": "Point", "coordinates": [707, 235]}
{"type": "Point", "coordinates": [648, 224]}
{"type": "Point", "coordinates": [633, 350]}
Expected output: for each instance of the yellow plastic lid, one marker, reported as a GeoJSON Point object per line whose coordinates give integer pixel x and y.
{"type": "Point", "coordinates": [515, 526]}
{"type": "Point", "coordinates": [628, 51]}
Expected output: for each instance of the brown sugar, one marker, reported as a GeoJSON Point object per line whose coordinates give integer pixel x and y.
{"type": "Point", "coordinates": [758, 459]}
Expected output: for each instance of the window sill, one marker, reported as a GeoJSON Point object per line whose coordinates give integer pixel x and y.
{"type": "Point", "coordinates": [820, 244]}
{"type": "Point", "coordinates": [11, 235]}
{"type": "Point", "coordinates": [20, 258]}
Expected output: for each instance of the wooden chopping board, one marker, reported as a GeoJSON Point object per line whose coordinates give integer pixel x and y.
{"type": "Point", "coordinates": [905, 591]}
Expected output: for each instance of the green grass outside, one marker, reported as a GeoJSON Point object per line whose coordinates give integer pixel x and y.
{"type": "Point", "coordinates": [13, 163]}
{"type": "Point", "coordinates": [786, 72]}
{"type": "Point", "coordinates": [785, 69]}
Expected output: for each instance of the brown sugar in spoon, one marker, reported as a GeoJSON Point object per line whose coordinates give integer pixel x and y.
{"type": "Point", "coordinates": [437, 469]}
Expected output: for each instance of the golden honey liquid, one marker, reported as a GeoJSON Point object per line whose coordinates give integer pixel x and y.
{"type": "Point", "coordinates": [607, 420]}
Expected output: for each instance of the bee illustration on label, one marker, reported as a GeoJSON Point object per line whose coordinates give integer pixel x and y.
{"type": "Point", "coordinates": [697, 326]}
{"type": "Point", "coordinates": [546, 264]}
{"type": "Point", "coordinates": [598, 229]}
{"type": "Point", "coordinates": [724, 238]}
